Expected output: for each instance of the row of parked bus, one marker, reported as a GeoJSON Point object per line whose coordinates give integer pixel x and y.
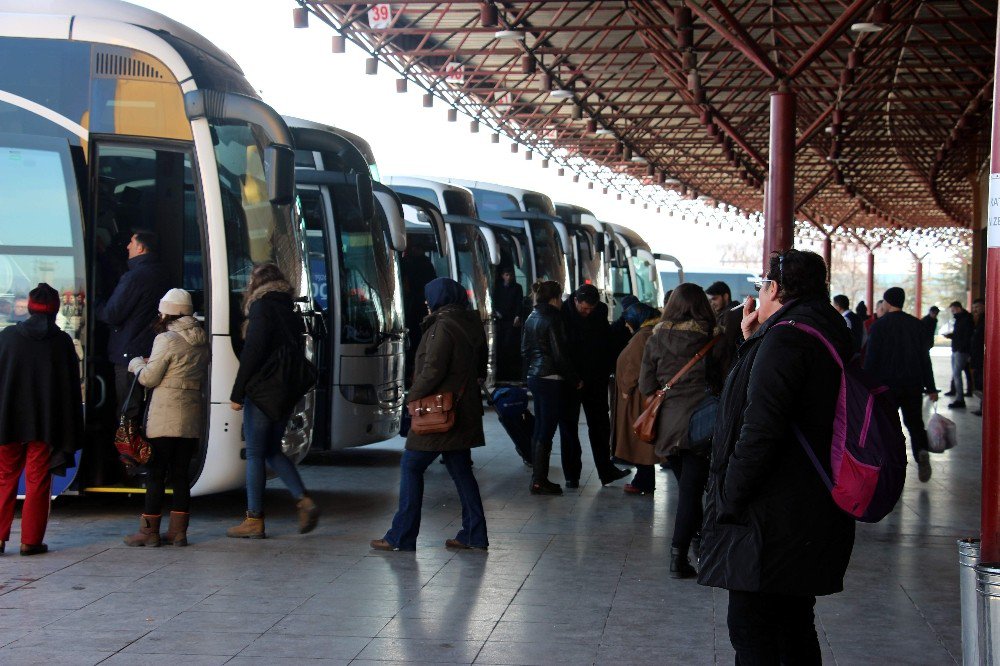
{"type": "Point", "coordinates": [118, 118]}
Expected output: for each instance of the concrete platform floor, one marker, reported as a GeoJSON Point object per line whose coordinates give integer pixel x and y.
{"type": "Point", "coordinates": [578, 579]}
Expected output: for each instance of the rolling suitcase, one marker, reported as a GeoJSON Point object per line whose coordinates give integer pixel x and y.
{"type": "Point", "coordinates": [511, 404]}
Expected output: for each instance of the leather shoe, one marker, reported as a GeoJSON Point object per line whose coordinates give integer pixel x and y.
{"type": "Point", "coordinates": [458, 545]}
{"type": "Point", "coordinates": [382, 544]}
{"type": "Point", "coordinates": [545, 488]}
{"type": "Point", "coordinates": [615, 475]}
{"type": "Point", "coordinates": [950, 394]}
{"type": "Point", "coordinates": [573, 483]}
{"type": "Point", "coordinates": [28, 549]}
{"type": "Point", "coordinates": [958, 404]}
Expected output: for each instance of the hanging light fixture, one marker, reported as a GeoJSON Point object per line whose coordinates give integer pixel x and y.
{"type": "Point", "coordinates": [877, 21]}
{"type": "Point", "coordinates": [509, 34]}
{"type": "Point", "coordinates": [300, 17]}
{"type": "Point", "coordinates": [488, 15]}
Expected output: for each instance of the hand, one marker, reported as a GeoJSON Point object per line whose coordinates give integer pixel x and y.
{"type": "Point", "coordinates": [933, 396]}
{"type": "Point", "coordinates": [236, 407]}
{"type": "Point", "coordinates": [517, 322]}
{"type": "Point", "coordinates": [751, 318]}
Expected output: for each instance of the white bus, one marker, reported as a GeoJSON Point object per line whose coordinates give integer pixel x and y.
{"type": "Point", "coordinates": [354, 271]}
{"type": "Point", "coordinates": [113, 118]}
{"type": "Point", "coordinates": [637, 262]}
{"type": "Point", "coordinates": [591, 245]}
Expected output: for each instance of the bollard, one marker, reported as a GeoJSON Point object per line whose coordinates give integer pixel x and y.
{"type": "Point", "coordinates": [968, 558]}
{"type": "Point", "coordinates": [988, 592]}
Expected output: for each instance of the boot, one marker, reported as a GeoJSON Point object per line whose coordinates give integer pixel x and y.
{"type": "Point", "coordinates": [680, 567]}
{"type": "Point", "coordinates": [540, 484]}
{"type": "Point", "coordinates": [177, 532]}
{"type": "Point", "coordinates": [148, 534]}
{"type": "Point", "coordinates": [308, 514]}
{"type": "Point", "coordinates": [252, 527]}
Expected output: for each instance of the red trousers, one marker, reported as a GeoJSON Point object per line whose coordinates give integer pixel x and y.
{"type": "Point", "coordinates": [33, 459]}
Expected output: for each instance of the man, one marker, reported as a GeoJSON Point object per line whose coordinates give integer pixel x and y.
{"type": "Point", "coordinates": [929, 324]}
{"type": "Point", "coordinates": [721, 299]}
{"type": "Point", "coordinates": [842, 304]}
{"type": "Point", "coordinates": [589, 350]}
{"type": "Point", "coordinates": [961, 346]}
{"type": "Point", "coordinates": [131, 310]}
{"type": "Point", "coordinates": [977, 350]}
{"type": "Point", "coordinates": [508, 301]}
{"type": "Point", "coordinates": [898, 356]}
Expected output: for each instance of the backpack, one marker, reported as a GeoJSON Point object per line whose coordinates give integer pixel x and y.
{"type": "Point", "coordinates": [868, 451]}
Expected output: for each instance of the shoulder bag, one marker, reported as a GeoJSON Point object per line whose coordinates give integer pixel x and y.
{"type": "Point", "coordinates": [284, 378]}
{"type": "Point", "coordinates": [435, 414]}
{"type": "Point", "coordinates": [645, 426]}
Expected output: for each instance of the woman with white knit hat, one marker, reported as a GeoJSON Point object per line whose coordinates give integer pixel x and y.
{"type": "Point", "coordinates": [176, 371]}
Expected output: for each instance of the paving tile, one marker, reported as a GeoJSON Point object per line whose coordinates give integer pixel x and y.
{"type": "Point", "coordinates": [191, 642]}
{"type": "Point", "coordinates": [330, 625]}
{"type": "Point", "coordinates": [123, 659]}
{"type": "Point", "coordinates": [44, 656]}
{"type": "Point", "coordinates": [69, 639]}
{"type": "Point", "coordinates": [248, 622]}
{"type": "Point", "coordinates": [537, 654]}
{"type": "Point", "coordinates": [230, 603]}
{"type": "Point", "coordinates": [430, 628]}
{"type": "Point", "coordinates": [273, 644]}
{"type": "Point", "coordinates": [425, 650]}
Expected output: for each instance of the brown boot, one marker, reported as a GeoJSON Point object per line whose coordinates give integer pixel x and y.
{"type": "Point", "coordinates": [176, 534]}
{"type": "Point", "coordinates": [252, 527]}
{"type": "Point", "coordinates": [148, 534]}
{"type": "Point", "coordinates": [308, 514]}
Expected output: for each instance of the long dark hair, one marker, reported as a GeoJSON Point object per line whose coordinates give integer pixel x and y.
{"type": "Point", "coordinates": [689, 302]}
{"type": "Point", "coordinates": [546, 290]}
{"type": "Point", "coordinates": [261, 275]}
{"type": "Point", "coordinates": [162, 322]}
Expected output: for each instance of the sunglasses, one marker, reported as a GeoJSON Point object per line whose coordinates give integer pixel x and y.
{"type": "Point", "coordinates": [759, 283]}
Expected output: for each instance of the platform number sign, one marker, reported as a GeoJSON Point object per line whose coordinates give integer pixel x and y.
{"type": "Point", "coordinates": [454, 72]}
{"type": "Point", "coordinates": [993, 223]}
{"type": "Point", "coordinates": [380, 15]}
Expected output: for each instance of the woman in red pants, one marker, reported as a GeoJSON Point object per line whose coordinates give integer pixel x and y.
{"type": "Point", "coordinates": [41, 414]}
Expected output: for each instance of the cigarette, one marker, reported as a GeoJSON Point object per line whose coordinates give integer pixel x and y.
{"type": "Point", "coordinates": [738, 307]}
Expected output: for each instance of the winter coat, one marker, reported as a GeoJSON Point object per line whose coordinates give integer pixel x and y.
{"type": "Point", "coordinates": [670, 347]}
{"type": "Point", "coordinates": [896, 353]}
{"type": "Point", "coordinates": [271, 322]}
{"type": "Point", "coordinates": [176, 371]}
{"type": "Point", "coordinates": [961, 333]}
{"type": "Point", "coordinates": [40, 391]}
{"type": "Point", "coordinates": [977, 345]}
{"type": "Point", "coordinates": [770, 523]}
{"type": "Point", "coordinates": [543, 345]}
{"type": "Point", "coordinates": [133, 307]}
{"type": "Point", "coordinates": [732, 337]}
{"type": "Point", "coordinates": [451, 357]}
{"type": "Point", "coordinates": [928, 325]}
{"type": "Point", "coordinates": [588, 342]}
{"type": "Point", "coordinates": [628, 401]}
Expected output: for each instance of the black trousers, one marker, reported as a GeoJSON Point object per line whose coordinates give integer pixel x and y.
{"type": "Point", "coordinates": [772, 629]}
{"type": "Point", "coordinates": [691, 471]}
{"type": "Point", "coordinates": [171, 460]}
{"type": "Point", "coordinates": [911, 403]}
{"type": "Point", "coordinates": [593, 397]}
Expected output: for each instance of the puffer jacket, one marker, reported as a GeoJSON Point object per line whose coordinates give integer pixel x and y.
{"type": "Point", "coordinates": [451, 358]}
{"type": "Point", "coordinates": [176, 371]}
{"type": "Point", "coordinates": [543, 344]}
{"type": "Point", "coordinates": [770, 523]}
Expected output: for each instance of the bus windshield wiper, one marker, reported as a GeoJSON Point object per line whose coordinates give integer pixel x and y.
{"type": "Point", "coordinates": [380, 337]}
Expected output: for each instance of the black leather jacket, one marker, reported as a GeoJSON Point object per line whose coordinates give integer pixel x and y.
{"type": "Point", "coordinates": [543, 344]}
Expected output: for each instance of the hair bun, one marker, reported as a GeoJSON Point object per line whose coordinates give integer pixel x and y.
{"type": "Point", "coordinates": [536, 285]}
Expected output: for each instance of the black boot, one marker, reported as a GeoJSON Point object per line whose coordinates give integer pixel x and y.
{"type": "Point", "coordinates": [540, 484]}
{"type": "Point", "coordinates": [680, 567]}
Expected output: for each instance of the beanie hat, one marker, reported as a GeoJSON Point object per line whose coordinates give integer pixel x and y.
{"type": "Point", "coordinates": [894, 296]}
{"type": "Point", "coordinates": [176, 302]}
{"type": "Point", "coordinates": [43, 299]}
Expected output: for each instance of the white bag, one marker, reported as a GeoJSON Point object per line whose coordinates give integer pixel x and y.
{"type": "Point", "coordinates": [940, 434]}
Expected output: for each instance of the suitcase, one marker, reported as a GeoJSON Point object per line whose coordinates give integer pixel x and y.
{"type": "Point", "coordinates": [511, 405]}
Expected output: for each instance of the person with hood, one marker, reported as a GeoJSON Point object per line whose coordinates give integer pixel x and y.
{"type": "Point", "coordinates": [451, 358]}
{"type": "Point", "coordinates": [271, 322]}
{"type": "Point", "coordinates": [41, 415]}
{"type": "Point", "coordinates": [620, 334]}
{"type": "Point", "coordinates": [176, 370]}
{"type": "Point", "coordinates": [641, 319]}
{"type": "Point", "coordinates": [549, 371]}
{"type": "Point", "coordinates": [772, 534]}
{"type": "Point", "coordinates": [687, 325]}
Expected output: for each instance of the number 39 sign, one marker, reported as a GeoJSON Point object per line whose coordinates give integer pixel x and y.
{"type": "Point", "coordinates": [380, 15]}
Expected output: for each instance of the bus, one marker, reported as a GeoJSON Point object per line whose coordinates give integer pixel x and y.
{"type": "Point", "coordinates": [639, 262]}
{"type": "Point", "coordinates": [126, 119]}
{"type": "Point", "coordinates": [589, 246]}
{"type": "Point", "coordinates": [353, 268]}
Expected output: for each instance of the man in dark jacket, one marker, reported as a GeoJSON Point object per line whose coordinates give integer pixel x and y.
{"type": "Point", "coordinates": [588, 336]}
{"type": "Point", "coordinates": [41, 414]}
{"type": "Point", "coordinates": [961, 347]}
{"type": "Point", "coordinates": [721, 299]}
{"type": "Point", "coordinates": [508, 305]}
{"type": "Point", "coordinates": [842, 304]}
{"type": "Point", "coordinates": [131, 311]}
{"type": "Point", "coordinates": [977, 351]}
{"type": "Point", "coordinates": [772, 534]}
{"type": "Point", "coordinates": [898, 356]}
{"type": "Point", "coordinates": [929, 324]}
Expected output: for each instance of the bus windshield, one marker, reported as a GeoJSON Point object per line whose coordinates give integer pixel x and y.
{"type": "Point", "coordinates": [647, 279]}
{"type": "Point", "coordinates": [549, 263]}
{"type": "Point", "coordinates": [473, 266]}
{"type": "Point", "coordinates": [589, 259]}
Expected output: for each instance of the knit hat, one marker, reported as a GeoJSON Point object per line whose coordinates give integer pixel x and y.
{"type": "Point", "coordinates": [43, 299]}
{"type": "Point", "coordinates": [894, 296]}
{"type": "Point", "coordinates": [176, 302]}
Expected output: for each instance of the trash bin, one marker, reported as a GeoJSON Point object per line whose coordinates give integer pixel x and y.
{"type": "Point", "coordinates": [968, 558]}
{"type": "Point", "coordinates": [988, 592]}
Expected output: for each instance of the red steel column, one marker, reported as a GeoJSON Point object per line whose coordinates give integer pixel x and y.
{"type": "Point", "coordinates": [779, 206]}
{"type": "Point", "coordinates": [870, 291]}
{"type": "Point", "coordinates": [920, 288]}
{"type": "Point", "coordinates": [828, 256]}
{"type": "Point", "coordinates": [990, 547]}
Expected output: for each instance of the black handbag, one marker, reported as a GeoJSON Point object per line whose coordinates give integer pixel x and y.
{"type": "Point", "coordinates": [281, 382]}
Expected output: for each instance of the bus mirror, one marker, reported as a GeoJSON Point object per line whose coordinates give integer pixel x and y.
{"type": "Point", "coordinates": [366, 198]}
{"type": "Point", "coordinates": [279, 167]}
{"type": "Point", "coordinates": [599, 240]}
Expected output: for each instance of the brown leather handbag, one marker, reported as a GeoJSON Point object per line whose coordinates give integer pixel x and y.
{"type": "Point", "coordinates": [645, 426]}
{"type": "Point", "coordinates": [433, 414]}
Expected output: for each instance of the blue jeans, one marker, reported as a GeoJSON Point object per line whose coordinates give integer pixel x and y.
{"type": "Point", "coordinates": [406, 522]}
{"type": "Point", "coordinates": [263, 443]}
{"type": "Point", "coordinates": [548, 394]}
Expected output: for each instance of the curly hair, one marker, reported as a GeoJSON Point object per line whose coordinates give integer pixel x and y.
{"type": "Point", "coordinates": [798, 274]}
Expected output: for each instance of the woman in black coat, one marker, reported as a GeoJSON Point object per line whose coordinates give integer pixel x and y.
{"type": "Point", "coordinates": [772, 534]}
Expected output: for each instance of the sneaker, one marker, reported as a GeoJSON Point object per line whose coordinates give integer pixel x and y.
{"type": "Point", "coordinates": [958, 404]}
{"type": "Point", "coordinates": [924, 467]}
{"type": "Point", "coordinates": [545, 488]}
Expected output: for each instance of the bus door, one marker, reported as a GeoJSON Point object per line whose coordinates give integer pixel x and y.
{"type": "Point", "coordinates": [620, 273]}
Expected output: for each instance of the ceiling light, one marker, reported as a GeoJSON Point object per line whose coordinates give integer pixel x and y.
{"type": "Point", "coordinates": [878, 20]}
{"type": "Point", "coordinates": [509, 34]}
{"type": "Point", "coordinates": [561, 93]}
{"type": "Point", "coordinates": [639, 159]}
{"type": "Point", "coordinates": [867, 26]}
{"type": "Point", "coordinates": [603, 131]}
{"type": "Point", "coordinates": [671, 181]}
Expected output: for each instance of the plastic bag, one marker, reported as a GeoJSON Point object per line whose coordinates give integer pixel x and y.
{"type": "Point", "coordinates": [941, 434]}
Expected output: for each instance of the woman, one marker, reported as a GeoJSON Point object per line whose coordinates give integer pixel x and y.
{"type": "Point", "coordinates": [41, 415]}
{"type": "Point", "coordinates": [543, 350]}
{"type": "Point", "coordinates": [451, 358]}
{"type": "Point", "coordinates": [688, 323]}
{"type": "Point", "coordinates": [176, 371]}
{"type": "Point", "coordinates": [271, 322]}
{"type": "Point", "coordinates": [773, 535]}
{"type": "Point", "coordinates": [640, 320]}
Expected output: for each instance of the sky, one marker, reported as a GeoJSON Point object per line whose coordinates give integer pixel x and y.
{"type": "Point", "coordinates": [295, 71]}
